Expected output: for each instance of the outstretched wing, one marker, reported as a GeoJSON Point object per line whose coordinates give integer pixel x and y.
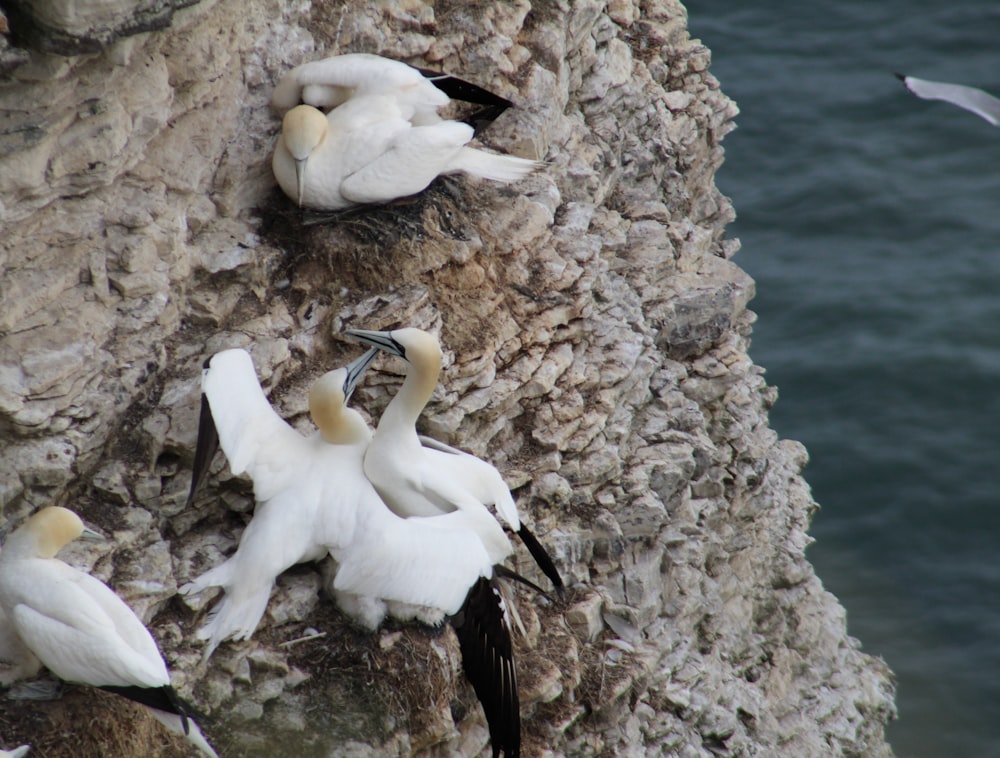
{"type": "Point", "coordinates": [982, 103]}
{"type": "Point", "coordinates": [254, 438]}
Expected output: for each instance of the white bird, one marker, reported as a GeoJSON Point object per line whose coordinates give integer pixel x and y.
{"type": "Point", "coordinates": [383, 139]}
{"type": "Point", "coordinates": [79, 628]}
{"type": "Point", "coordinates": [418, 476]}
{"type": "Point", "coordinates": [312, 496]}
{"type": "Point", "coordinates": [16, 660]}
{"type": "Point", "coordinates": [978, 101]}
{"type": "Point", "coordinates": [18, 752]}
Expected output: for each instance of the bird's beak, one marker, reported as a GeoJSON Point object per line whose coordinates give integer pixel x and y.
{"type": "Point", "coordinates": [381, 340]}
{"type": "Point", "coordinates": [355, 370]}
{"type": "Point", "coordinates": [300, 179]}
{"type": "Point", "coordinates": [91, 535]}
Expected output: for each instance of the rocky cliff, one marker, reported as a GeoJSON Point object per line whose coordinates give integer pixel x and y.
{"type": "Point", "coordinates": [596, 337]}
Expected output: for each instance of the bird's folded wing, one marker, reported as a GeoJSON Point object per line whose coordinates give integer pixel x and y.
{"type": "Point", "coordinates": [422, 561]}
{"type": "Point", "coordinates": [415, 158]}
{"type": "Point", "coordinates": [343, 75]}
{"type": "Point", "coordinates": [473, 475]}
{"type": "Point", "coordinates": [76, 649]}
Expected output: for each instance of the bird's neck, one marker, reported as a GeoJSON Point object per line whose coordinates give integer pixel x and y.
{"type": "Point", "coordinates": [347, 429]}
{"type": "Point", "coordinates": [405, 408]}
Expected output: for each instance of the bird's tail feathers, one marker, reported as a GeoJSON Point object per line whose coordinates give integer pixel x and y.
{"type": "Point", "coordinates": [185, 727]}
{"type": "Point", "coordinates": [235, 616]}
{"type": "Point", "coordinates": [499, 168]}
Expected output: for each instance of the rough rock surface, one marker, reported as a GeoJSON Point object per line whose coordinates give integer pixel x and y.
{"type": "Point", "coordinates": [596, 339]}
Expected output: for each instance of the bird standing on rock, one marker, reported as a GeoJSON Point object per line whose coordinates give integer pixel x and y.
{"type": "Point", "coordinates": [383, 138]}
{"type": "Point", "coordinates": [313, 496]}
{"type": "Point", "coordinates": [79, 628]}
{"type": "Point", "coordinates": [418, 476]}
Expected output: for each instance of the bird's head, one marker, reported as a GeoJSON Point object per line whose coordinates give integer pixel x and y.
{"type": "Point", "coordinates": [329, 395]}
{"type": "Point", "coordinates": [303, 129]}
{"type": "Point", "coordinates": [50, 530]}
{"type": "Point", "coordinates": [415, 346]}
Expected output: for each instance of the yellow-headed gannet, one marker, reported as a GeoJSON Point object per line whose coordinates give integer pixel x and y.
{"type": "Point", "coordinates": [79, 628]}
{"type": "Point", "coordinates": [313, 496]}
{"type": "Point", "coordinates": [417, 476]}
{"type": "Point", "coordinates": [383, 139]}
{"type": "Point", "coordinates": [982, 103]}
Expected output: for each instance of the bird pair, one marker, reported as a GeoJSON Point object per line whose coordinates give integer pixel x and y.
{"type": "Point", "coordinates": [382, 138]}
{"type": "Point", "coordinates": [405, 518]}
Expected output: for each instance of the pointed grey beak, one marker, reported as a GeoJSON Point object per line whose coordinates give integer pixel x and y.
{"type": "Point", "coordinates": [90, 535]}
{"type": "Point", "coordinates": [300, 179]}
{"type": "Point", "coordinates": [381, 340]}
{"type": "Point", "coordinates": [355, 370]}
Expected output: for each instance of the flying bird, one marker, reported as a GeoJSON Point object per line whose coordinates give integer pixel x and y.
{"type": "Point", "coordinates": [79, 628]}
{"type": "Point", "coordinates": [418, 476]}
{"type": "Point", "coordinates": [313, 497]}
{"type": "Point", "coordinates": [982, 103]}
{"type": "Point", "coordinates": [383, 138]}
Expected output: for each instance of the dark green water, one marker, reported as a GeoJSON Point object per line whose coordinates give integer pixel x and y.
{"type": "Point", "coordinates": [871, 222]}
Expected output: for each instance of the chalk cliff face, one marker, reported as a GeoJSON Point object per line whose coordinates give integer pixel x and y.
{"type": "Point", "coordinates": [596, 337]}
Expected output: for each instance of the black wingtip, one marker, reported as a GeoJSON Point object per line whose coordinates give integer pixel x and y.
{"type": "Point", "coordinates": [161, 698]}
{"type": "Point", "coordinates": [541, 556]}
{"type": "Point", "coordinates": [503, 572]}
{"type": "Point", "coordinates": [901, 77]}
{"type": "Point", "coordinates": [488, 661]}
{"type": "Point", "coordinates": [459, 89]}
{"type": "Point", "coordinates": [205, 449]}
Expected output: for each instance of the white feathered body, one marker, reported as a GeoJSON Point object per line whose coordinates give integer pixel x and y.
{"type": "Point", "coordinates": [77, 626]}
{"type": "Point", "coordinates": [384, 139]}
{"type": "Point", "coordinates": [331, 82]}
{"type": "Point", "coordinates": [419, 481]}
{"type": "Point", "coordinates": [313, 498]}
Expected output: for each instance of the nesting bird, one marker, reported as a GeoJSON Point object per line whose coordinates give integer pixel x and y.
{"type": "Point", "coordinates": [978, 101]}
{"type": "Point", "coordinates": [294, 478]}
{"type": "Point", "coordinates": [383, 138]}
{"type": "Point", "coordinates": [418, 476]}
{"type": "Point", "coordinates": [313, 497]}
{"type": "Point", "coordinates": [79, 628]}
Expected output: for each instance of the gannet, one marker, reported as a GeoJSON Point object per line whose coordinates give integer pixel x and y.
{"type": "Point", "coordinates": [418, 476]}
{"type": "Point", "coordinates": [330, 82]}
{"type": "Point", "coordinates": [313, 496]}
{"type": "Point", "coordinates": [291, 523]}
{"type": "Point", "coordinates": [382, 140]}
{"type": "Point", "coordinates": [18, 752]}
{"type": "Point", "coordinates": [79, 628]}
{"type": "Point", "coordinates": [978, 101]}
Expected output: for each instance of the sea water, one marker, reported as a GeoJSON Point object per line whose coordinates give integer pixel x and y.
{"type": "Point", "coordinates": [870, 220]}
